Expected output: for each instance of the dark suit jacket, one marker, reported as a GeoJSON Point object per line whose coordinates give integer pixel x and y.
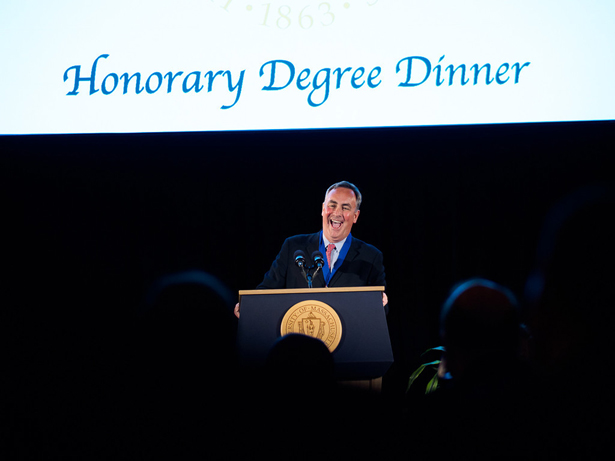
{"type": "Point", "coordinates": [362, 266]}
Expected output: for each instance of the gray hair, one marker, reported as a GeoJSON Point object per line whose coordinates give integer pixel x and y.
{"type": "Point", "coordinates": [347, 185]}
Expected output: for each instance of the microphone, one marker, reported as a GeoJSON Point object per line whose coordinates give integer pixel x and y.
{"type": "Point", "coordinates": [299, 258]}
{"type": "Point", "coordinates": [318, 261]}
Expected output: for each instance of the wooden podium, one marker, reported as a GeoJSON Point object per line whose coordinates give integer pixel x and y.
{"type": "Point", "coordinates": [351, 321]}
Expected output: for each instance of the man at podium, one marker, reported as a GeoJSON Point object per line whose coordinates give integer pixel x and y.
{"type": "Point", "coordinates": [347, 261]}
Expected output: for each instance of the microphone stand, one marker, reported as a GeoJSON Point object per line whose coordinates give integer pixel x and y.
{"type": "Point", "coordinates": [318, 263]}
{"type": "Point", "coordinates": [300, 262]}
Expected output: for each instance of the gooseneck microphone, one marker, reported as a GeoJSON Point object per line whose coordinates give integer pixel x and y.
{"type": "Point", "coordinates": [319, 262]}
{"type": "Point", "coordinates": [318, 259]}
{"type": "Point", "coordinates": [299, 258]}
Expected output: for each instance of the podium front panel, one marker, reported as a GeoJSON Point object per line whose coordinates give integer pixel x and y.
{"type": "Point", "coordinates": [364, 350]}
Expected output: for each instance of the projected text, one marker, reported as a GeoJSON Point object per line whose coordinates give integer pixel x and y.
{"type": "Point", "coordinates": [280, 74]}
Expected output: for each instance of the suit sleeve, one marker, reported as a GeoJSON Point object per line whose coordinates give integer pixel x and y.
{"type": "Point", "coordinates": [377, 276]}
{"type": "Point", "coordinates": [276, 275]}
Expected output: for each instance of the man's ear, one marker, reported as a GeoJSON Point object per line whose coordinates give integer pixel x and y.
{"type": "Point", "coordinates": [356, 215]}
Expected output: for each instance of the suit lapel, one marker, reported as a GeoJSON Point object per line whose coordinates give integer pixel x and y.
{"type": "Point", "coordinates": [313, 244]}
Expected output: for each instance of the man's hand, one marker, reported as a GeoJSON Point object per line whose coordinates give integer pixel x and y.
{"type": "Point", "coordinates": [236, 310]}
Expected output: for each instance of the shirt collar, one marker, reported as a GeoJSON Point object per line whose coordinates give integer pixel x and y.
{"type": "Point", "coordinates": [338, 245]}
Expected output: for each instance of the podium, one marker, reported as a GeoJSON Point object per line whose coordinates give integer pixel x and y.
{"type": "Point", "coordinates": [351, 321]}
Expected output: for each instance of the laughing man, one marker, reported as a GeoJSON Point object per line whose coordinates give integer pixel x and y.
{"type": "Point", "coordinates": [349, 262]}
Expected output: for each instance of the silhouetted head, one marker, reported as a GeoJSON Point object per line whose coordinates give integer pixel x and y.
{"type": "Point", "coordinates": [300, 360]}
{"type": "Point", "coordinates": [188, 318]}
{"type": "Point", "coordinates": [479, 327]}
{"type": "Point", "coordinates": [569, 295]}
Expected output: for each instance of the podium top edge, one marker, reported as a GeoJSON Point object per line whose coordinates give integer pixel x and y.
{"type": "Point", "coordinates": [308, 290]}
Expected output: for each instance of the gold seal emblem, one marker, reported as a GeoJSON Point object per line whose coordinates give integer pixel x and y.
{"type": "Point", "coordinates": [315, 319]}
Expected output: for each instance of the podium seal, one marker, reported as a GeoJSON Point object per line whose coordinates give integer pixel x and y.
{"type": "Point", "coordinates": [315, 319]}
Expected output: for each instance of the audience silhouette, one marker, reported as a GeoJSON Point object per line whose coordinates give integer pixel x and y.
{"type": "Point", "coordinates": [183, 370]}
{"type": "Point", "coordinates": [570, 314]}
{"type": "Point", "coordinates": [478, 411]}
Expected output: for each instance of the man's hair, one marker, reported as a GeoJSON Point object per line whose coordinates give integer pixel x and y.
{"type": "Point", "coordinates": [347, 185]}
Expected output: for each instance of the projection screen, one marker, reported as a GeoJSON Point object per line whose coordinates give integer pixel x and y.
{"type": "Point", "coordinates": [118, 66]}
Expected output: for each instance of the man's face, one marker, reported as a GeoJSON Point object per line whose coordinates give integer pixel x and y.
{"type": "Point", "coordinates": [339, 213]}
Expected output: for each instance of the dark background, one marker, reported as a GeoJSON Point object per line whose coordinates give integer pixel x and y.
{"type": "Point", "coordinates": [90, 221]}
